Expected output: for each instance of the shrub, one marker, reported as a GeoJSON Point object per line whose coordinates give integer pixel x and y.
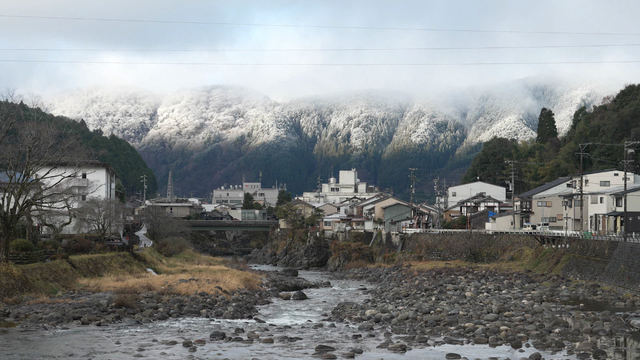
{"type": "Point", "coordinates": [126, 301]}
{"type": "Point", "coordinates": [60, 256]}
{"type": "Point", "coordinates": [22, 245]}
{"type": "Point", "coordinates": [172, 246]}
{"type": "Point", "coordinates": [49, 245]}
{"type": "Point", "coordinates": [79, 246]}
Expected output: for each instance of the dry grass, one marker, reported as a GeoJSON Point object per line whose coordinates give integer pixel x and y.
{"type": "Point", "coordinates": [184, 274]}
{"type": "Point", "coordinates": [191, 280]}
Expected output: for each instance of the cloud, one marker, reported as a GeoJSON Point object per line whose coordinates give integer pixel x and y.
{"type": "Point", "coordinates": [286, 81]}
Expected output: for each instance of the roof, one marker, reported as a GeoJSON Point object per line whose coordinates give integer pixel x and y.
{"type": "Point", "coordinates": [476, 182]}
{"type": "Point", "coordinates": [373, 199]}
{"type": "Point", "coordinates": [394, 204]}
{"type": "Point", "coordinates": [301, 202]}
{"type": "Point", "coordinates": [545, 187]}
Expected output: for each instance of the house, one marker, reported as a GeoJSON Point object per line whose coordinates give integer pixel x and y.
{"type": "Point", "coordinates": [456, 194]}
{"type": "Point", "coordinates": [530, 211]}
{"type": "Point", "coordinates": [593, 199]}
{"type": "Point", "coordinates": [328, 209]}
{"type": "Point", "coordinates": [301, 208]}
{"type": "Point", "coordinates": [503, 221]}
{"type": "Point", "coordinates": [335, 191]}
{"type": "Point", "coordinates": [177, 208]}
{"type": "Point", "coordinates": [396, 217]}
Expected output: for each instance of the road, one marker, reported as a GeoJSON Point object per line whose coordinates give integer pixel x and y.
{"type": "Point", "coordinates": [144, 240]}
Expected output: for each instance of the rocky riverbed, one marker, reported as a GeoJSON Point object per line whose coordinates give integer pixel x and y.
{"type": "Point", "coordinates": [369, 313]}
{"type": "Point", "coordinates": [103, 309]}
{"type": "Point", "coordinates": [466, 305]}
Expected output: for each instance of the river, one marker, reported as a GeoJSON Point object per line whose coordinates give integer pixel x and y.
{"type": "Point", "coordinates": [296, 328]}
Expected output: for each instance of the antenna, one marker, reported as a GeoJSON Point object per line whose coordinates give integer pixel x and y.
{"type": "Point", "coordinates": [170, 186]}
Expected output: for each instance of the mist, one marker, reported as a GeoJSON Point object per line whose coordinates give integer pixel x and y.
{"type": "Point", "coordinates": [506, 41]}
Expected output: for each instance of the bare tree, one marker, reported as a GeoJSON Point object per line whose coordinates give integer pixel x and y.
{"type": "Point", "coordinates": [101, 216]}
{"type": "Point", "coordinates": [36, 159]}
{"type": "Point", "coordinates": [160, 225]}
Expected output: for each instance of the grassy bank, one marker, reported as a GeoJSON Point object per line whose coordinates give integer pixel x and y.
{"type": "Point", "coordinates": [185, 273]}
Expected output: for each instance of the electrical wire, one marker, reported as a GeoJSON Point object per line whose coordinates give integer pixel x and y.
{"type": "Point", "coordinates": [344, 27]}
{"type": "Point", "coordinates": [323, 64]}
{"type": "Point", "coordinates": [330, 49]}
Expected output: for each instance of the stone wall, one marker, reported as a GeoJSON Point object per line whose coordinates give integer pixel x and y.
{"type": "Point", "coordinates": [623, 269]}
{"type": "Point", "coordinates": [471, 246]}
{"type": "Point", "coordinates": [32, 257]}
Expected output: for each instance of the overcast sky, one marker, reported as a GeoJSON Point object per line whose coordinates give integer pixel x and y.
{"type": "Point", "coordinates": [320, 24]}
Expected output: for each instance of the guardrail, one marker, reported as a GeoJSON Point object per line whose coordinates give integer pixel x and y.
{"type": "Point", "coordinates": [632, 237]}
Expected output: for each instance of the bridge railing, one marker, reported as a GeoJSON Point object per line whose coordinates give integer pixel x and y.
{"type": "Point", "coordinates": [631, 237]}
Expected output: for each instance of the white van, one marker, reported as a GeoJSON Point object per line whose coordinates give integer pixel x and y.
{"type": "Point", "coordinates": [529, 227]}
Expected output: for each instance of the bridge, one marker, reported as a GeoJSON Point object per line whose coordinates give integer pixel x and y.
{"type": "Point", "coordinates": [222, 225]}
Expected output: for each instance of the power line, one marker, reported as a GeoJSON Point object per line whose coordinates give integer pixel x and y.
{"type": "Point", "coordinates": [345, 27]}
{"type": "Point", "coordinates": [323, 64]}
{"type": "Point", "coordinates": [330, 49]}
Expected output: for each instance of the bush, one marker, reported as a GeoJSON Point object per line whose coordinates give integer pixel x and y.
{"type": "Point", "coordinates": [79, 246]}
{"type": "Point", "coordinates": [22, 245]}
{"type": "Point", "coordinates": [172, 246]}
{"type": "Point", "coordinates": [49, 245]}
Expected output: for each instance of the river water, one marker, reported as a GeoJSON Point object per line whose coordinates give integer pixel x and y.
{"type": "Point", "coordinates": [296, 327]}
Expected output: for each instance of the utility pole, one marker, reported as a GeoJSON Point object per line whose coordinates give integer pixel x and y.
{"type": "Point", "coordinates": [582, 153]}
{"type": "Point", "coordinates": [412, 179]}
{"type": "Point", "coordinates": [513, 192]}
{"type": "Point", "coordinates": [170, 186]}
{"type": "Point", "coordinates": [626, 161]}
{"type": "Point", "coordinates": [144, 188]}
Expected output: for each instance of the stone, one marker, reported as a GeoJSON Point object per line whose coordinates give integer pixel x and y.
{"type": "Point", "coordinates": [217, 335]}
{"type": "Point", "coordinates": [452, 356]}
{"type": "Point", "coordinates": [299, 295]}
{"type": "Point", "coordinates": [324, 348]}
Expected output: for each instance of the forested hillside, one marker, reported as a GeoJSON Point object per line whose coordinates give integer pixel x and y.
{"type": "Point", "coordinates": [219, 134]}
{"type": "Point", "coordinates": [601, 129]}
{"type": "Point", "coordinates": [110, 149]}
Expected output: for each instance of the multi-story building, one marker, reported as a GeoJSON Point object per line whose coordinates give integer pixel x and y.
{"type": "Point", "coordinates": [336, 191]}
{"type": "Point", "coordinates": [71, 186]}
{"type": "Point", "coordinates": [233, 195]}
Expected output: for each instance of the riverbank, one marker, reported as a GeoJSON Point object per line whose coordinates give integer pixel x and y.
{"type": "Point", "coordinates": [146, 288]}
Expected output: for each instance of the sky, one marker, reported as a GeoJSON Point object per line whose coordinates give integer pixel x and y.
{"type": "Point", "coordinates": [291, 48]}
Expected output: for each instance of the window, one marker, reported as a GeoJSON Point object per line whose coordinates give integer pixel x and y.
{"type": "Point", "coordinates": [327, 224]}
{"type": "Point", "coordinates": [577, 203]}
{"type": "Point", "coordinates": [453, 194]}
{"type": "Point", "coordinates": [84, 175]}
{"type": "Point", "coordinates": [260, 194]}
{"type": "Point", "coordinates": [601, 200]}
{"type": "Point", "coordinates": [594, 199]}
{"type": "Point", "coordinates": [84, 197]}
{"type": "Point", "coordinates": [586, 182]}
{"type": "Point", "coordinates": [618, 201]}
{"type": "Point", "coordinates": [605, 183]}
{"type": "Point", "coordinates": [559, 217]}
{"type": "Point", "coordinates": [544, 203]}
{"type": "Point", "coordinates": [615, 174]}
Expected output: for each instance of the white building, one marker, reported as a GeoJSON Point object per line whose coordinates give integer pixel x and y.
{"type": "Point", "coordinates": [234, 195]}
{"type": "Point", "coordinates": [334, 192]}
{"type": "Point", "coordinates": [73, 186]}
{"type": "Point", "coordinates": [455, 194]}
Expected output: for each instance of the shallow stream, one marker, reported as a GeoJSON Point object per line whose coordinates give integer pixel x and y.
{"type": "Point", "coordinates": [295, 326]}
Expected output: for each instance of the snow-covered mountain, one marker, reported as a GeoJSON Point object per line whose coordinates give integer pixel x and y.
{"type": "Point", "coordinates": [198, 127]}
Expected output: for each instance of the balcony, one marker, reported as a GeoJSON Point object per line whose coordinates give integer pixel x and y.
{"type": "Point", "coordinates": [74, 183]}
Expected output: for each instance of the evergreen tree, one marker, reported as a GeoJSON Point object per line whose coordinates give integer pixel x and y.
{"type": "Point", "coordinates": [283, 197]}
{"type": "Point", "coordinates": [546, 126]}
{"type": "Point", "coordinates": [247, 204]}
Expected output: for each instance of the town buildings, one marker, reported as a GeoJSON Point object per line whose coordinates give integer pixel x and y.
{"type": "Point", "coordinates": [336, 191]}
{"type": "Point", "coordinates": [233, 195]}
